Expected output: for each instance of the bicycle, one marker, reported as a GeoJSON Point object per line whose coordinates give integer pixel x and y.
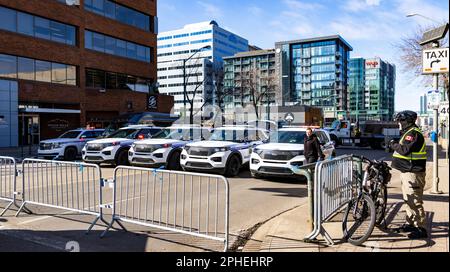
{"type": "Point", "coordinates": [368, 207]}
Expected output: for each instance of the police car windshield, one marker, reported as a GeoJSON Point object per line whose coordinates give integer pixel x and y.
{"type": "Point", "coordinates": [124, 133]}
{"type": "Point", "coordinates": [288, 137]}
{"type": "Point", "coordinates": [73, 134]}
{"type": "Point", "coordinates": [183, 134]}
{"type": "Point", "coordinates": [238, 135]}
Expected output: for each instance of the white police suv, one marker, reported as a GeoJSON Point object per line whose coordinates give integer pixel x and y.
{"type": "Point", "coordinates": [114, 148]}
{"type": "Point", "coordinates": [285, 152]}
{"type": "Point", "coordinates": [226, 151]}
{"type": "Point", "coordinates": [68, 146]}
{"type": "Point", "coordinates": [164, 149]}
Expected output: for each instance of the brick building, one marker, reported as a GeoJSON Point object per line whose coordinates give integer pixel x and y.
{"type": "Point", "coordinates": [78, 65]}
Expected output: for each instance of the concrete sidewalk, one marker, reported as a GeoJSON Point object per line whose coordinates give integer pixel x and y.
{"type": "Point", "coordinates": [285, 233]}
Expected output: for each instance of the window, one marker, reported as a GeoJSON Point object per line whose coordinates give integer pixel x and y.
{"type": "Point", "coordinates": [58, 32]}
{"type": "Point", "coordinates": [43, 71]}
{"type": "Point", "coordinates": [71, 35]}
{"type": "Point", "coordinates": [95, 78]}
{"type": "Point", "coordinates": [120, 13]}
{"type": "Point", "coordinates": [71, 75]}
{"type": "Point", "coordinates": [26, 68]}
{"type": "Point", "coordinates": [39, 27]}
{"type": "Point", "coordinates": [91, 134]}
{"type": "Point", "coordinates": [30, 69]}
{"type": "Point", "coordinates": [110, 44]}
{"type": "Point", "coordinates": [59, 75]}
{"type": "Point", "coordinates": [25, 24]}
{"type": "Point", "coordinates": [109, 80]}
{"type": "Point", "coordinates": [88, 39]}
{"type": "Point", "coordinates": [42, 28]}
{"type": "Point", "coordinates": [121, 48]}
{"type": "Point", "coordinates": [98, 41]}
{"type": "Point", "coordinates": [8, 21]}
{"type": "Point", "coordinates": [8, 67]}
{"type": "Point", "coordinates": [141, 53]}
{"type": "Point", "coordinates": [110, 9]}
{"type": "Point", "coordinates": [131, 50]}
{"type": "Point", "coordinates": [113, 46]}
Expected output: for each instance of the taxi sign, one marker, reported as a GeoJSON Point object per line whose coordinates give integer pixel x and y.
{"type": "Point", "coordinates": [435, 61]}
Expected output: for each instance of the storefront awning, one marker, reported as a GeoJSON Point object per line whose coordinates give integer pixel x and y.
{"type": "Point", "coordinates": [44, 110]}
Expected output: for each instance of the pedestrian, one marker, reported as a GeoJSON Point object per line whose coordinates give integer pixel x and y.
{"type": "Point", "coordinates": [312, 148]}
{"type": "Point", "coordinates": [410, 159]}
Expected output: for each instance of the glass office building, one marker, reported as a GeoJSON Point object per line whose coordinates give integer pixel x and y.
{"type": "Point", "coordinates": [371, 89]}
{"type": "Point", "coordinates": [314, 72]}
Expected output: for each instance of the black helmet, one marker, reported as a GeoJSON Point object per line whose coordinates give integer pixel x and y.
{"type": "Point", "coordinates": [408, 117]}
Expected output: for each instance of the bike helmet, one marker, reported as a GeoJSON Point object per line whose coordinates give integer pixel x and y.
{"type": "Point", "coordinates": [406, 117]}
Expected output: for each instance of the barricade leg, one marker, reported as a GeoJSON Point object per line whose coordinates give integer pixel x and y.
{"type": "Point", "coordinates": [7, 208]}
{"type": "Point", "coordinates": [110, 225]}
{"type": "Point", "coordinates": [22, 207]}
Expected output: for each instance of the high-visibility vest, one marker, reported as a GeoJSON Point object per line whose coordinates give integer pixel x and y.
{"type": "Point", "coordinates": [414, 156]}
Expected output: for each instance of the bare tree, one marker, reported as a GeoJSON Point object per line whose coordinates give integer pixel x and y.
{"type": "Point", "coordinates": [194, 85]}
{"type": "Point", "coordinates": [258, 86]}
{"type": "Point", "coordinates": [411, 55]}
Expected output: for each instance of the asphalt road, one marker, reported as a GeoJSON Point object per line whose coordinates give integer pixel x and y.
{"type": "Point", "coordinates": [252, 202]}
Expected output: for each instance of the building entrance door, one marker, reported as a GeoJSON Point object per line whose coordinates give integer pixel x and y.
{"type": "Point", "coordinates": [29, 129]}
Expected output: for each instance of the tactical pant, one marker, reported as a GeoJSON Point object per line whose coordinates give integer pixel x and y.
{"type": "Point", "coordinates": [413, 185]}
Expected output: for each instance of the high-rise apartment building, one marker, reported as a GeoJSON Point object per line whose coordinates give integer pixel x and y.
{"type": "Point", "coordinates": [371, 89]}
{"type": "Point", "coordinates": [314, 72]}
{"type": "Point", "coordinates": [192, 56]}
{"type": "Point", "coordinates": [250, 75]}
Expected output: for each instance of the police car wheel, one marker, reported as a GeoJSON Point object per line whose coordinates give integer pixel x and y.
{"type": "Point", "coordinates": [233, 167]}
{"type": "Point", "coordinates": [174, 161]}
{"type": "Point", "coordinates": [255, 175]}
{"type": "Point", "coordinates": [122, 158]}
{"type": "Point", "coordinates": [70, 154]}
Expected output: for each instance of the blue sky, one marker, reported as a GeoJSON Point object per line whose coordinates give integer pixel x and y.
{"type": "Point", "coordinates": [372, 27]}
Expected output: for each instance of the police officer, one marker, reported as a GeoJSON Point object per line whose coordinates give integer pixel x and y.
{"type": "Point", "coordinates": [410, 159]}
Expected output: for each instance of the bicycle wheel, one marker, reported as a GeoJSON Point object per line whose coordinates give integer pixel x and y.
{"type": "Point", "coordinates": [359, 220]}
{"type": "Point", "coordinates": [380, 204]}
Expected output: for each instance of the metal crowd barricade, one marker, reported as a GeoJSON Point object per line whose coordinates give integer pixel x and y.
{"type": "Point", "coordinates": [333, 183]}
{"type": "Point", "coordinates": [8, 179]}
{"type": "Point", "coordinates": [69, 186]}
{"type": "Point", "coordinates": [187, 203]}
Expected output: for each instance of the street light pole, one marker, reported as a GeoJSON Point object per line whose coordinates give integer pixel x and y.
{"type": "Point", "coordinates": [184, 77]}
{"type": "Point", "coordinates": [423, 16]}
{"type": "Point", "coordinates": [435, 189]}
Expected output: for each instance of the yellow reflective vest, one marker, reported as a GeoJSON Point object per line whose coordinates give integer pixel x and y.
{"type": "Point", "coordinates": [414, 156]}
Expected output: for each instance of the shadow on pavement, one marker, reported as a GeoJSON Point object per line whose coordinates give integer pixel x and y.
{"type": "Point", "coordinates": [51, 233]}
{"type": "Point", "coordinates": [426, 197]}
{"type": "Point", "coordinates": [287, 192]}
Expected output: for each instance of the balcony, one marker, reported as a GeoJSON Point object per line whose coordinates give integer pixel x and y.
{"type": "Point", "coordinates": [305, 72]}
